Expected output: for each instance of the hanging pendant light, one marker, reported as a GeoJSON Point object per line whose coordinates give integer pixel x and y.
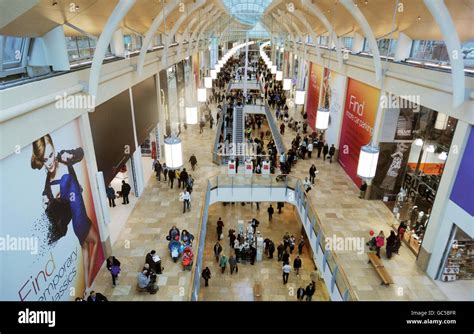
{"type": "Point", "coordinates": [218, 68]}
{"type": "Point", "coordinates": [273, 69]}
{"type": "Point", "coordinates": [418, 142]}
{"type": "Point", "coordinates": [286, 84]}
{"type": "Point", "coordinates": [191, 115]}
{"type": "Point", "coordinates": [201, 94]}
{"type": "Point", "coordinates": [299, 97]}
{"type": "Point", "coordinates": [213, 74]}
{"type": "Point", "coordinates": [208, 82]}
{"type": "Point", "coordinates": [279, 75]}
{"type": "Point", "coordinates": [173, 152]}
{"type": "Point", "coordinates": [430, 148]}
{"type": "Point", "coordinates": [441, 121]}
{"type": "Point", "coordinates": [368, 158]}
{"type": "Point", "coordinates": [322, 119]}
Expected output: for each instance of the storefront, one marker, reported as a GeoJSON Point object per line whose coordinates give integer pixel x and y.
{"type": "Point", "coordinates": [459, 263]}
{"type": "Point", "coordinates": [411, 165]}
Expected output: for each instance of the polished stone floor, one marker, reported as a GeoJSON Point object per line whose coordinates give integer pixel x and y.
{"type": "Point", "coordinates": [268, 272]}
{"type": "Point", "coordinates": [340, 210]}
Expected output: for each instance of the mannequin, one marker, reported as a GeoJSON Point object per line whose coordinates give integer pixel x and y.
{"type": "Point", "coordinates": [413, 216]}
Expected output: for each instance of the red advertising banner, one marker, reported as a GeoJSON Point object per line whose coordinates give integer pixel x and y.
{"type": "Point", "coordinates": [312, 102]}
{"type": "Point", "coordinates": [357, 125]}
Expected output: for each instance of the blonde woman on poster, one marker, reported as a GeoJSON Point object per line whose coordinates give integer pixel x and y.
{"type": "Point", "coordinates": [62, 199]}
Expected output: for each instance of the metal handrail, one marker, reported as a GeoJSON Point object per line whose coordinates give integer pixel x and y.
{"type": "Point", "coordinates": [309, 208]}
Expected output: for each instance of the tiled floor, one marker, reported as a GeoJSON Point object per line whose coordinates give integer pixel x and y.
{"type": "Point", "coordinates": [268, 272]}
{"type": "Point", "coordinates": [341, 212]}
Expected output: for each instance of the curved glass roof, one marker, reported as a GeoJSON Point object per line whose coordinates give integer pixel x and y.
{"type": "Point", "coordinates": [247, 11]}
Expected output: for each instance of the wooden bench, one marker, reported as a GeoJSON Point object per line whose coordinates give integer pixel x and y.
{"type": "Point", "coordinates": [257, 291]}
{"type": "Point", "coordinates": [380, 269]}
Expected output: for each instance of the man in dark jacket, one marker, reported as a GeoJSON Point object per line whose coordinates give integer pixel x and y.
{"type": "Point", "coordinates": [325, 150]}
{"type": "Point", "coordinates": [171, 176]}
{"type": "Point", "coordinates": [193, 161]}
{"type": "Point", "coordinates": [110, 195]}
{"type": "Point", "coordinates": [183, 176]}
{"type": "Point", "coordinates": [309, 292]}
{"type": "Point", "coordinates": [271, 249]}
{"type": "Point", "coordinates": [312, 173]}
{"type": "Point", "coordinates": [280, 250]}
{"type": "Point", "coordinates": [332, 151]}
{"type": "Point", "coordinates": [96, 297]}
{"type": "Point", "coordinates": [300, 293]}
{"type": "Point", "coordinates": [158, 169]}
{"type": "Point", "coordinates": [125, 191]}
{"type": "Point", "coordinates": [206, 274]}
{"type": "Point", "coordinates": [270, 211]}
{"type": "Point", "coordinates": [154, 262]}
{"type": "Point", "coordinates": [297, 265]}
{"type": "Point", "coordinates": [286, 257]}
{"type": "Point", "coordinates": [217, 250]}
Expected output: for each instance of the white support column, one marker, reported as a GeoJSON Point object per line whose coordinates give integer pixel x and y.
{"type": "Point", "coordinates": [403, 48]}
{"type": "Point", "coordinates": [438, 228]}
{"type": "Point", "coordinates": [119, 12]}
{"type": "Point", "coordinates": [116, 44]}
{"type": "Point", "coordinates": [211, 23]}
{"type": "Point", "coordinates": [357, 43]}
{"type": "Point", "coordinates": [441, 15]}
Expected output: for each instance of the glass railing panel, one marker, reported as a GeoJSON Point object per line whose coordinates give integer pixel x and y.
{"type": "Point", "coordinates": [341, 283]}
{"type": "Point", "coordinates": [331, 262]}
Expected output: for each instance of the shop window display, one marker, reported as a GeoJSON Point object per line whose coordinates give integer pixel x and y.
{"type": "Point", "coordinates": [409, 176]}
{"type": "Point", "coordinates": [460, 258]}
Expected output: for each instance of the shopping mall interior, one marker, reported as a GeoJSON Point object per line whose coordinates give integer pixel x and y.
{"type": "Point", "coordinates": [257, 150]}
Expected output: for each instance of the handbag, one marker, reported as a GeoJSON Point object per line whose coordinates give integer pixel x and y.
{"type": "Point", "coordinates": [115, 270]}
{"type": "Point", "coordinates": [59, 214]}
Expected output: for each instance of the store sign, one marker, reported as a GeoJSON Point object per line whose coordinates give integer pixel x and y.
{"type": "Point", "coordinates": [391, 165]}
{"type": "Point", "coordinates": [56, 213]}
{"type": "Point", "coordinates": [357, 124]}
{"type": "Point", "coordinates": [464, 183]}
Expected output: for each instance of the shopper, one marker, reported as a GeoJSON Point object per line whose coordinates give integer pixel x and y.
{"type": "Point", "coordinates": [219, 229]}
{"type": "Point", "coordinates": [309, 148]}
{"type": "Point", "coordinates": [96, 297]}
{"type": "Point", "coordinates": [286, 269]}
{"type": "Point", "coordinates": [282, 128]}
{"type": "Point", "coordinates": [158, 169]}
{"type": "Point", "coordinates": [312, 173]}
{"type": "Point", "coordinates": [391, 241]}
{"type": "Point", "coordinates": [186, 201]}
{"type": "Point", "coordinates": [306, 185]}
{"type": "Point", "coordinates": [271, 249]}
{"type": "Point", "coordinates": [270, 211]}
{"type": "Point", "coordinates": [297, 265]}
{"type": "Point", "coordinates": [223, 262]}
{"type": "Point", "coordinates": [325, 151]}
{"type": "Point", "coordinates": [280, 250]}
{"type": "Point", "coordinates": [165, 171]}
{"type": "Point", "coordinates": [125, 192]}
{"type": "Point", "coordinates": [233, 265]}
{"type": "Point", "coordinates": [113, 265]}
{"type": "Point", "coordinates": [320, 148]}
{"type": "Point", "coordinates": [217, 250]}
{"type": "Point", "coordinates": [309, 292]}
{"type": "Point", "coordinates": [111, 195]}
{"type": "Point", "coordinates": [171, 177]}
{"type": "Point", "coordinates": [286, 257]}
{"type": "Point", "coordinates": [145, 282]}
{"type": "Point", "coordinates": [301, 245]}
{"type": "Point", "coordinates": [193, 161]}
{"type": "Point", "coordinates": [332, 151]}
{"type": "Point", "coordinates": [280, 205]}
{"type": "Point", "coordinates": [300, 293]}
{"type": "Point", "coordinates": [206, 275]}
{"type": "Point", "coordinates": [183, 176]}
{"type": "Point", "coordinates": [379, 243]}
{"type": "Point", "coordinates": [363, 189]}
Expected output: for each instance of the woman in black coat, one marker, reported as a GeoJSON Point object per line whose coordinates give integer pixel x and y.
{"type": "Point", "coordinates": [391, 241]}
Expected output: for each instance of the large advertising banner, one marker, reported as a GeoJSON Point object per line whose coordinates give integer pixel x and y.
{"type": "Point", "coordinates": [180, 85]}
{"type": "Point", "coordinates": [173, 99]}
{"type": "Point", "coordinates": [333, 90]}
{"type": "Point", "coordinates": [314, 85]}
{"type": "Point", "coordinates": [50, 244]}
{"type": "Point", "coordinates": [388, 179]}
{"type": "Point", "coordinates": [196, 65]}
{"type": "Point", "coordinates": [357, 125]}
{"type": "Point", "coordinates": [163, 76]}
